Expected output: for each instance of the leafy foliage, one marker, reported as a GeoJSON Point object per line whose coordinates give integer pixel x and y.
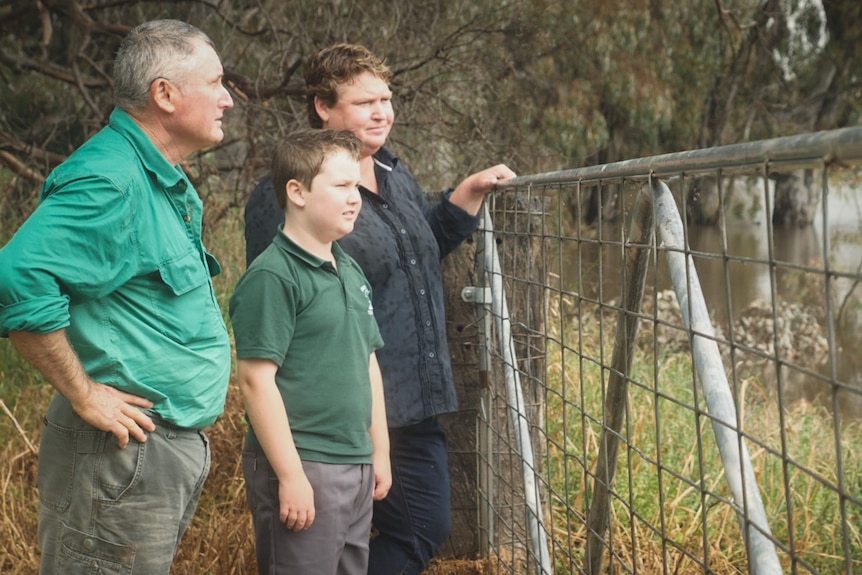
{"type": "Point", "coordinates": [539, 84]}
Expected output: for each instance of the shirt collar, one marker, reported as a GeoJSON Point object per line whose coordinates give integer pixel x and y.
{"type": "Point", "coordinates": [386, 159]}
{"type": "Point", "coordinates": [168, 176]}
{"type": "Point", "coordinates": [295, 249]}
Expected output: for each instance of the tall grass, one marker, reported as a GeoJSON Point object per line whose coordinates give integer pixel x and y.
{"type": "Point", "coordinates": [671, 499]}
{"type": "Point", "coordinates": [669, 508]}
{"type": "Point", "coordinates": [220, 540]}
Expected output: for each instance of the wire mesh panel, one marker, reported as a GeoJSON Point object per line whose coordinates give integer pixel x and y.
{"type": "Point", "coordinates": [784, 318]}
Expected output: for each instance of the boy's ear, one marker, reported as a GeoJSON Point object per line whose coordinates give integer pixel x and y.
{"type": "Point", "coordinates": [295, 192]}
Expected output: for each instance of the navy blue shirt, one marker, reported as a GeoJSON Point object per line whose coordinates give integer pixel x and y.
{"type": "Point", "coordinates": [398, 241]}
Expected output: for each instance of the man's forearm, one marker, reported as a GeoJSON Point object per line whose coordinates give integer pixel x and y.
{"type": "Point", "coordinates": [99, 405]}
{"type": "Point", "coordinates": [52, 354]}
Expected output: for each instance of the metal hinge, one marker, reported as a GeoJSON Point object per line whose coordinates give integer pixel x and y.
{"type": "Point", "coordinates": [480, 295]}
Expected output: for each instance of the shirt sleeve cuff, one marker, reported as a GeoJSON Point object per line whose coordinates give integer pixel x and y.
{"type": "Point", "coordinates": [39, 315]}
{"type": "Point", "coordinates": [463, 221]}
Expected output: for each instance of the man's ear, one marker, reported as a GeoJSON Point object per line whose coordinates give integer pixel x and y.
{"type": "Point", "coordinates": [321, 108]}
{"type": "Point", "coordinates": [163, 93]}
{"type": "Point", "coordinates": [295, 193]}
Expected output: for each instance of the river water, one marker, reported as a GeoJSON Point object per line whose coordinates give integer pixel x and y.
{"type": "Point", "coordinates": [800, 282]}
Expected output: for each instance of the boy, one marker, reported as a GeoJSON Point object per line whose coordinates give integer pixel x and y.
{"type": "Point", "coordinates": [317, 449]}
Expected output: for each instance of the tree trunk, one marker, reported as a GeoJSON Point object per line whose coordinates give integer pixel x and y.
{"type": "Point", "coordinates": [796, 199]}
{"type": "Point", "coordinates": [702, 204]}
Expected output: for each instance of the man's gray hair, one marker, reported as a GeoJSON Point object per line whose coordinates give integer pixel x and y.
{"type": "Point", "coordinates": [155, 49]}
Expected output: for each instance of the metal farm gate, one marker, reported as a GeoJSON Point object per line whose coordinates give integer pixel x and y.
{"type": "Point", "coordinates": [659, 396]}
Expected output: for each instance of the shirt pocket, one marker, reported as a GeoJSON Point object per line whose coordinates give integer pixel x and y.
{"type": "Point", "coordinates": [187, 306]}
{"type": "Point", "coordinates": [184, 273]}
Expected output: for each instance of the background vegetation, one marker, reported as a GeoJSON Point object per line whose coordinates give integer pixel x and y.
{"type": "Point", "coordinates": [669, 510]}
{"type": "Point", "coordinates": [539, 84]}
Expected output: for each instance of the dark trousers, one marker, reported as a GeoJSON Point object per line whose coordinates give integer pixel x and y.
{"type": "Point", "coordinates": [413, 521]}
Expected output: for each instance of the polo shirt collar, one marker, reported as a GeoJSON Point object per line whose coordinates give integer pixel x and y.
{"type": "Point", "coordinates": [287, 244]}
{"type": "Point", "coordinates": [386, 159]}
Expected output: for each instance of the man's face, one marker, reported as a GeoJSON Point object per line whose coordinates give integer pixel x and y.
{"type": "Point", "coordinates": [364, 107]}
{"type": "Point", "coordinates": [202, 101]}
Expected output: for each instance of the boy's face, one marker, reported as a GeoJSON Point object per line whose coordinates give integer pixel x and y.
{"type": "Point", "coordinates": [333, 203]}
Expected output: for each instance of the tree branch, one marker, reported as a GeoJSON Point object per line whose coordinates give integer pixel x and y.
{"type": "Point", "coordinates": [9, 142]}
{"type": "Point", "coordinates": [50, 70]}
{"type": "Point", "coordinates": [20, 429]}
{"type": "Point", "coordinates": [18, 167]}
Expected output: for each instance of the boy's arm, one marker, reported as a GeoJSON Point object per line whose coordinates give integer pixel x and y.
{"type": "Point", "coordinates": [268, 416]}
{"type": "Point", "coordinates": [379, 432]}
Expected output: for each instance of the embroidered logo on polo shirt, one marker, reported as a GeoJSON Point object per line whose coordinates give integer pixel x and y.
{"type": "Point", "coordinates": [367, 293]}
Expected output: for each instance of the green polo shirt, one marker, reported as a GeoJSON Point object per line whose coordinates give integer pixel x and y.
{"type": "Point", "coordinates": [113, 254]}
{"type": "Point", "coordinates": [318, 325]}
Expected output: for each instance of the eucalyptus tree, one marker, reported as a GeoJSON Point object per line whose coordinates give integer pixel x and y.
{"type": "Point", "coordinates": [789, 67]}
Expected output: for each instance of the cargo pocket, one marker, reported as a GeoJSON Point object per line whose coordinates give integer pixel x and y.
{"type": "Point", "coordinates": [83, 553]}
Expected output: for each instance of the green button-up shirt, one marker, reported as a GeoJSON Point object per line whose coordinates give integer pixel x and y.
{"type": "Point", "coordinates": [113, 254]}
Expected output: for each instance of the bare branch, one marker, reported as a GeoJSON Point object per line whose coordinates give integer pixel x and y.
{"type": "Point", "coordinates": [50, 70]}
{"type": "Point", "coordinates": [20, 429]}
{"type": "Point", "coordinates": [9, 142]}
{"type": "Point", "coordinates": [18, 167]}
{"type": "Point", "coordinates": [45, 18]}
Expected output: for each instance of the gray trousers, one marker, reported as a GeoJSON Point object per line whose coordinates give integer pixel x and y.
{"type": "Point", "coordinates": [337, 541]}
{"type": "Point", "coordinates": [115, 511]}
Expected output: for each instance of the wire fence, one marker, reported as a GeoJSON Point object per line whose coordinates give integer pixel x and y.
{"type": "Point", "coordinates": [664, 396]}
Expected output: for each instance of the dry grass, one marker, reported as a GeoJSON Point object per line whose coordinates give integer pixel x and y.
{"type": "Point", "coordinates": [220, 540]}
{"type": "Point", "coordinates": [19, 500]}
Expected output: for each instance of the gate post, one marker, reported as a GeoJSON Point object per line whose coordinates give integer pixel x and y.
{"type": "Point", "coordinates": [521, 221]}
{"type": "Point", "coordinates": [459, 270]}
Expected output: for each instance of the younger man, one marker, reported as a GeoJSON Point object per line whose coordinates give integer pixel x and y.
{"type": "Point", "coordinates": [317, 449]}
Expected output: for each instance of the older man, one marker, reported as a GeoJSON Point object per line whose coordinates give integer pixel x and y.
{"type": "Point", "coordinates": [106, 289]}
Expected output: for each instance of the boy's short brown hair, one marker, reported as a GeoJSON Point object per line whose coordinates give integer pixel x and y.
{"type": "Point", "coordinates": [331, 68]}
{"type": "Point", "coordinates": [301, 153]}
